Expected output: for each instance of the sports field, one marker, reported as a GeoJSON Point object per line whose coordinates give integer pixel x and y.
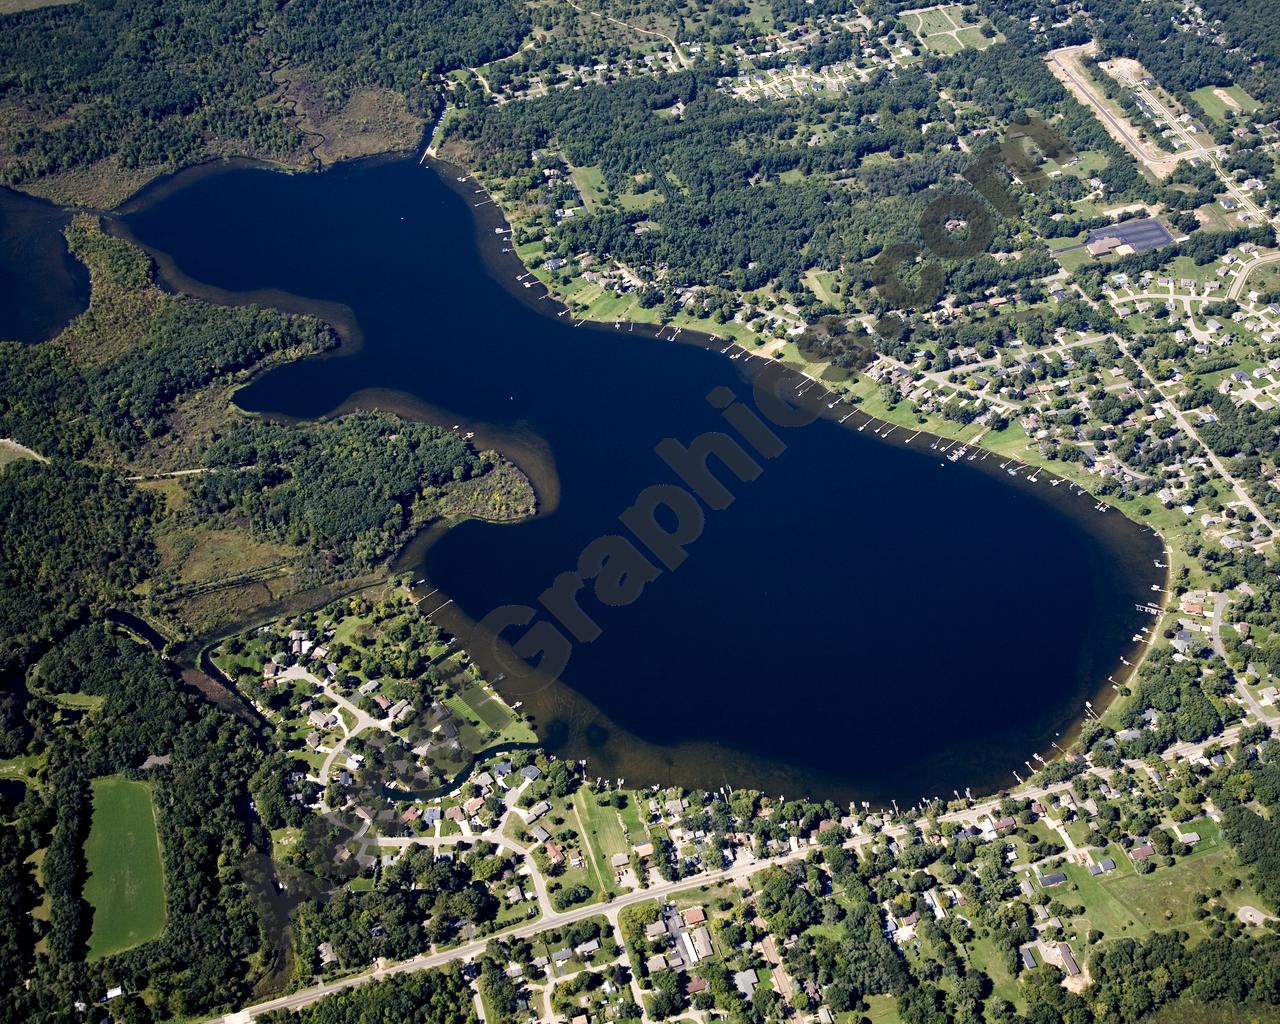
{"type": "Point", "coordinates": [125, 886]}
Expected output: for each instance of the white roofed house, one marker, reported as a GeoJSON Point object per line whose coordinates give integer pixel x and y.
{"type": "Point", "coordinates": [322, 719]}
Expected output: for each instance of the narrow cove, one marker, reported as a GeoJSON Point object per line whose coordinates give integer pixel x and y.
{"type": "Point", "coordinates": [864, 620]}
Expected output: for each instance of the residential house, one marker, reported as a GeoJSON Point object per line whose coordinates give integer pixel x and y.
{"type": "Point", "coordinates": [746, 982]}
{"type": "Point", "coordinates": [1068, 960]}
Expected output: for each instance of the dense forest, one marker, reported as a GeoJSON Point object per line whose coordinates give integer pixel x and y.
{"type": "Point", "coordinates": [18, 897]}
{"type": "Point", "coordinates": [1253, 25]}
{"type": "Point", "coordinates": [109, 383]}
{"type": "Point", "coordinates": [202, 958]}
{"type": "Point", "coordinates": [402, 46]}
{"type": "Point", "coordinates": [737, 196]}
{"type": "Point", "coordinates": [79, 538]}
{"type": "Point", "coordinates": [138, 384]}
{"type": "Point", "coordinates": [352, 488]}
{"type": "Point", "coordinates": [75, 541]}
{"type": "Point", "coordinates": [146, 81]}
{"type": "Point", "coordinates": [426, 997]}
{"type": "Point", "coordinates": [158, 82]}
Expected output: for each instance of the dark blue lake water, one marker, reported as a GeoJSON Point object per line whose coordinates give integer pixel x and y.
{"type": "Point", "coordinates": [864, 620]}
{"type": "Point", "coordinates": [42, 286]}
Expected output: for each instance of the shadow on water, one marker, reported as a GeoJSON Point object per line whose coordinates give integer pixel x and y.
{"type": "Point", "coordinates": [863, 619]}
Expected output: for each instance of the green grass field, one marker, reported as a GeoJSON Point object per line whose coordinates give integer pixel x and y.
{"type": "Point", "coordinates": [474, 727]}
{"type": "Point", "coordinates": [489, 711]}
{"type": "Point", "coordinates": [974, 38]}
{"type": "Point", "coordinates": [125, 886]}
{"type": "Point", "coordinates": [1217, 101]}
{"type": "Point", "coordinates": [938, 19]}
{"type": "Point", "coordinates": [604, 833]}
{"type": "Point", "coordinates": [590, 182]}
{"type": "Point", "coordinates": [630, 816]}
{"type": "Point", "coordinates": [642, 201]}
{"type": "Point", "coordinates": [944, 30]}
{"type": "Point", "coordinates": [1126, 903]}
{"type": "Point", "coordinates": [1072, 258]}
{"type": "Point", "coordinates": [883, 1010]}
{"type": "Point", "coordinates": [820, 282]}
{"type": "Point", "coordinates": [982, 953]}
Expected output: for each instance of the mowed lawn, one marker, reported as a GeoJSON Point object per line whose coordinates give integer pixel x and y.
{"type": "Point", "coordinates": [125, 886]}
{"type": "Point", "coordinates": [1124, 903]}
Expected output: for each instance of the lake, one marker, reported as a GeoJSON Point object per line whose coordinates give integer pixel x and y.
{"type": "Point", "coordinates": [865, 619]}
{"type": "Point", "coordinates": [42, 286]}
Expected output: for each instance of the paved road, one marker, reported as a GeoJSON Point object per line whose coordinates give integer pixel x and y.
{"type": "Point", "coordinates": [494, 836]}
{"type": "Point", "coordinates": [1190, 431]}
{"type": "Point", "coordinates": [1237, 286]}
{"type": "Point", "coordinates": [740, 870]}
{"type": "Point", "coordinates": [1219, 609]}
{"type": "Point", "coordinates": [743, 868]}
{"type": "Point", "coordinates": [1160, 164]}
{"type": "Point", "coordinates": [1194, 150]}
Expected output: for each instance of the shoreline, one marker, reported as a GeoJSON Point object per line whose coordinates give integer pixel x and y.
{"type": "Point", "coordinates": [491, 225]}
{"type": "Point", "coordinates": [491, 222]}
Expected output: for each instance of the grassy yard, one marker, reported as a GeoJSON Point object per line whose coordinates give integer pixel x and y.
{"type": "Point", "coordinates": [125, 886]}
{"type": "Point", "coordinates": [591, 186]}
{"type": "Point", "coordinates": [982, 953]}
{"type": "Point", "coordinates": [631, 819]}
{"type": "Point", "coordinates": [603, 832]}
{"type": "Point", "coordinates": [1124, 903]}
{"type": "Point", "coordinates": [873, 404]}
{"type": "Point", "coordinates": [1183, 267]}
{"type": "Point", "coordinates": [1086, 164]}
{"type": "Point", "coordinates": [884, 1010]}
{"type": "Point", "coordinates": [489, 711]}
{"type": "Point", "coordinates": [474, 730]}
{"type": "Point", "coordinates": [1080, 832]}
